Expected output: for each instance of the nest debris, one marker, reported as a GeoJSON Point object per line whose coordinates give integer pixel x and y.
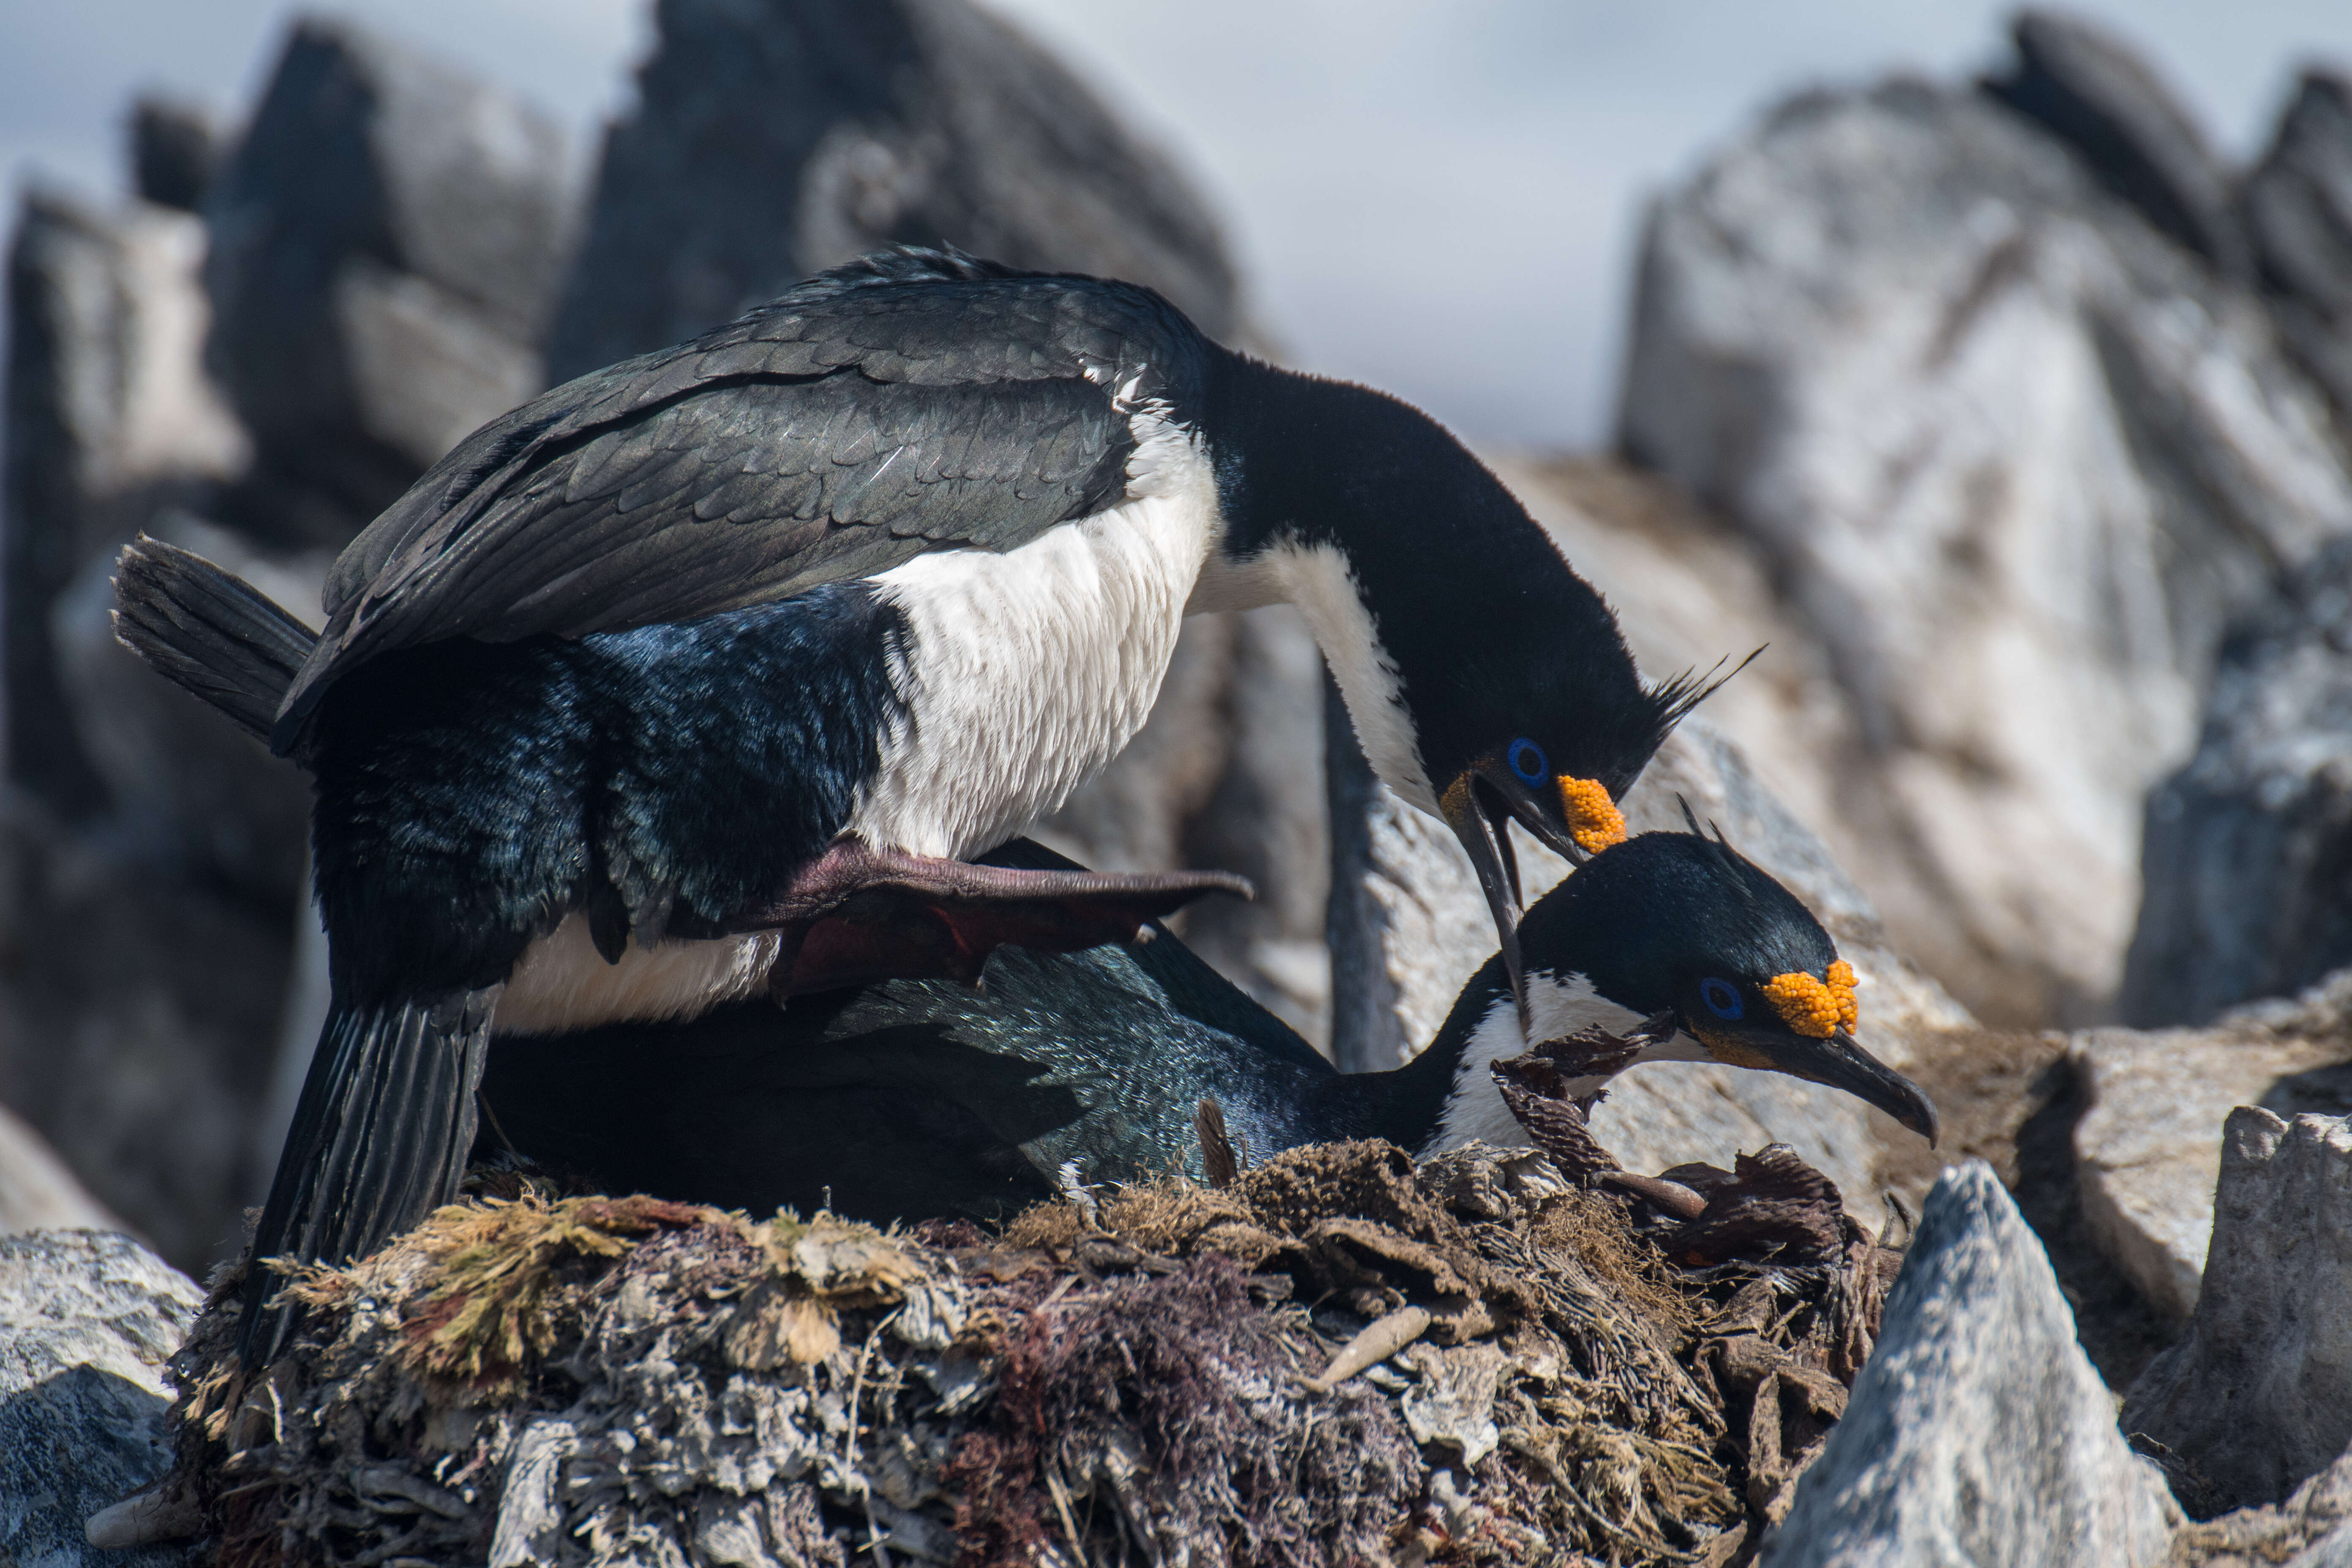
{"type": "Point", "coordinates": [533, 1377]}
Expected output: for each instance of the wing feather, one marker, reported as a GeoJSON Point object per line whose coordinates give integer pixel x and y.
{"type": "Point", "coordinates": [840, 431]}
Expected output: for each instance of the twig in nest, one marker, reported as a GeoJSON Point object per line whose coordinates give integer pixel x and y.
{"type": "Point", "coordinates": [1075, 1191]}
{"type": "Point", "coordinates": [1217, 1161]}
{"type": "Point", "coordinates": [1381, 1340]}
{"type": "Point", "coordinates": [1536, 1086]}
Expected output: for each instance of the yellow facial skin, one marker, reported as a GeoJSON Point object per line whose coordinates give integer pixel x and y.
{"type": "Point", "coordinates": [1814, 1007]}
{"type": "Point", "coordinates": [1594, 820]}
{"type": "Point", "coordinates": [1732, 1051]}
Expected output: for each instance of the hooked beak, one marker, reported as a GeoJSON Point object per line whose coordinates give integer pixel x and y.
{"type": "Point", "coordinates": [1481, 804]}
{"type": "Point", "coordinates": [1480, 817]}
{"type": "Point", "coordinates": [1838, 1062]}
{"type": "Point", "coordinates": [1588, 820]}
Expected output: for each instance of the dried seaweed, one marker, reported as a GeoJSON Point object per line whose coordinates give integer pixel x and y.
{"type": "Point", "coordinates": [1134, 1379]}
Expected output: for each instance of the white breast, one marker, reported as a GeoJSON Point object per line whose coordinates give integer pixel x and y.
{"type": "Point", "coordinates": [1033, 668]}
{"type": "Point", "coordinates": [563, 983]}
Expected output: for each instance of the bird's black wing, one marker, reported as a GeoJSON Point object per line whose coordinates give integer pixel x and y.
{"type": "Point", "coordinates": [911, 402]}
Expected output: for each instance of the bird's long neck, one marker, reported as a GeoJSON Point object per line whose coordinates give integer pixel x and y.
{"type": "Point", "coordinates": [1411, 1105]}
{"type": "Point", "coordinates": [1446, 1096]}
{"type": "Point", "coordinates": [1379, 526]}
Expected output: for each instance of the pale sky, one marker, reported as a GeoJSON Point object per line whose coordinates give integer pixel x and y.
{"type": "Point", "coordinates": [1441, 199]}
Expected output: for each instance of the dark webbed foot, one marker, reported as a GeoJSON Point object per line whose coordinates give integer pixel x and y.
{"type": "Point", "coordinates": [857, 914]}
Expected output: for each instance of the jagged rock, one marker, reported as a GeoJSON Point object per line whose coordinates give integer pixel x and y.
{"type": "Point", "coordinates": [2148, 1147]}
{"type": "Point", "coordinates": [175, 148]}
{"type": "Point", "coordinates": [36, 1191]}
{"type": "Point", "coordinates": [2093, 91]}
{"type": "Point", "coordinates": [2016, 459]}
{"type": "Point", "coordinates": [108, 416]}
{"type": "Point", "coordinates": [2313, 1528]}
{"type": "Point", "coordinates": [1429, 929]}
{"type": "Point", "coordinates": [86, 1322]}
{"type": "Point", "coordinates": [1979, 1432]}
{"type": "Point", "coordinates": [2248, 864]}
{"type": "Point", "coordinates": [387, 242]}
{"type": "Point", "coordinates": [775, 138]}
{"type": "Point", "coordinates": [2298, 209]}
{"type": "Point", "coordinates": [2258, 1395]}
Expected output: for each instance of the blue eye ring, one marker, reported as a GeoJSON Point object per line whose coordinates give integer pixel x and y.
{"type": "Point", "coordinates": [1721, 997]}
{"type": "Point", "coordinates": [1527, 762]}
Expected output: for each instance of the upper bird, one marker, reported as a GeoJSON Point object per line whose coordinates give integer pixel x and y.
{"type": "Point", "coordinates": [646, 676]}
{"type": "Point", "coordinates": [912, 1099]}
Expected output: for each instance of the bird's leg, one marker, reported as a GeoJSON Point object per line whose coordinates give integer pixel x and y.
{"type": "Point", "coordinates": [856, 914]}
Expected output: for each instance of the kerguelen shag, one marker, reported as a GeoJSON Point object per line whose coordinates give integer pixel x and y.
{"type": "Point", "coordinates": [633, 702]}
{"type": "Point", "coordinates": [920, 1099]}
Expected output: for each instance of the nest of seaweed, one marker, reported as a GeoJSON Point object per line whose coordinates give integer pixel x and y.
{"type": "Point", "coordinates": [1337, 1356]}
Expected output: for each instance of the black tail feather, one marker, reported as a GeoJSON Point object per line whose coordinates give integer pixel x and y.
{"type": "Point", "coordinates": [379, 1141]}
{"type": "Point", "coordinates": [207, 630]}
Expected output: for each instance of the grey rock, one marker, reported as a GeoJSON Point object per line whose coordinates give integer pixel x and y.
{"type": "Point", "coordinates": [36, 1191]}
{"type": "Point", "coordinates": [2312, 1529]}
{"type": "Point", "coordinates": [1979, 1432]}
{"type": "Point", "coordinates": [108, 416]}
{"type": "Point", "coordinates": [175, 148]}
{"type": "Point", "coordinates": [1267, 820]}
{"type": "Point", "coordinates": [137, 1017]}
{"type": "Point", "coordinates": [2297, 204]}
{"type": "Point", "coordinates": [388, 239]}
{"type": "Point", "coordinates": [775, 138]}
{"type": "Point", "coordinates": [2258, 1395]}
{"type": "Point", "coordinates": [2093, 91]}
{"type": "Point", "coordinates": [2016, 459]}
{"type": "Point", "coordinates": [2148, 1148]}
{"type": "Point", "coordinates": [87, 1320]}
{"type": "Point", "coordinates": [2248, 859]}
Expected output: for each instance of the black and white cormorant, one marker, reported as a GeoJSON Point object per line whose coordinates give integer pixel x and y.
{"type": "Point", "coordinates": [645, 679]}
{"type": "Point", "coordinates": [912, 1099]}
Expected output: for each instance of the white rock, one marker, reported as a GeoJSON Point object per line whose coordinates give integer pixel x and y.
{"type": "Point", "coordinates": [2258, 1395]}
{"type": "Point", "coordinates": [87, 1320]}
{"type": "Point", "coordinates": [2148, 1148]}
{"type": "Point", "coordinates": [2015, 458]}
{"type": "Point", "coordinates": [1979, 1433]}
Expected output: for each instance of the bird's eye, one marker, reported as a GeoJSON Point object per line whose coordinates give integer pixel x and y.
{"type": "Point", "coordinates": [1526, 760]}
{"type": "Point", "coordinates": [1721, 998]}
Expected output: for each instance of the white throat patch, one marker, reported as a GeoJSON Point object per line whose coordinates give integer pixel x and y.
{"type": "Point", "coordinates": [1316, 579]}
{"type": "Point", "coordinates": [1558, 1005]}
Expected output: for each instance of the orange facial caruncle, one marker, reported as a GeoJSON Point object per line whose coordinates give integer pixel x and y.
{"type": "Point", "coordinates": [1594, 820]}
{"type": "Point", "coordinates": [1815, 1008]}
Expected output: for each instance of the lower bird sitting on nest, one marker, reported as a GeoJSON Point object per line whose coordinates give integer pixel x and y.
{"type": "Point", "coordinates": [915, 1099]}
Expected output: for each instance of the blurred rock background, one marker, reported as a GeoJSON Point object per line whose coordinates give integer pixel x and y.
{"type": "Point", "coordinates": [2007, 415]}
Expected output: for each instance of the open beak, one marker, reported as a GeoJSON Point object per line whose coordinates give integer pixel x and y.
{"type": "Point", "coordinates": [1587, 820]}
{"type": "Point", "coordinates": [1479, 817]}
{"type": "Point", "coordinates": [1838, 1062]}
